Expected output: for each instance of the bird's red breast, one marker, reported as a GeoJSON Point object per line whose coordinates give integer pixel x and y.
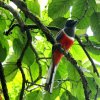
{"type": "Point", "coordinates": [66, 42]}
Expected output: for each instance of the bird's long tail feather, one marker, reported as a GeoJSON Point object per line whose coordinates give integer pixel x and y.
{"type": "Point", "coordinates": [50, 78]}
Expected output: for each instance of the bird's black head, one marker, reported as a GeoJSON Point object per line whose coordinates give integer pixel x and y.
{"type": "Point", "coordinates": [71, 23]}
{"type": "Point", "coordinates": [69, 27]}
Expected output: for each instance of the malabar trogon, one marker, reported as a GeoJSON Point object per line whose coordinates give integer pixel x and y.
{"type": "Point", "coordinates": [66, 39]}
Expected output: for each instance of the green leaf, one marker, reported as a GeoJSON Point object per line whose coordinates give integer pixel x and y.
{"type": "Point", "coordinates": [83, 9]}
{"type": "Point", "coordinates": [80, 31]}
{"type": "Point", "coordinates": [72, 72]}
{"type": "Point", "coordinates": [78, 11]}
{"type": "Point", "coordinates": [35, 94]}
{"type": "Point", "coordinates": [95, 24]}
{"type": "Point", "coordinates": [64, 96]}
{"type": "Point", "coordinates": [84, 23]}
{"type": "Point", "coordinates": [94, 53]}
{"type": "Point", "coordinates": [97, 79]}
{"type": "Point", "coordinates": [92, 4]}
{"type": "Point", "coordinates": [2, 24]}
{"type": "Point", "coordinates": [58, 8]}
{"type": "Point", "coordinates": [98, 7]}
{"type": "Point", "coordinates": [53, 95]}
{"type": "Point", "coordinates": [10, 71]}
{"type": "Point", "coordinates": [79, 91]}
{"type": "Point", "coordinates": [80, 55]}
{"type": "Point", "coordinates": [67, 96]}
{"type": "Point", "coordinates": [92, 86]}
{"type": "Point", "coordinates": [10, 67]}
{"type": "Point", "coordinates": [3, 53]}
{"type": "Point", "coordinates": [34, 70]}
{"type": "Point", "coordinates": [17, 47]}
{"type": "Point", "coordinates": [3, 48]}
{"type": "Point", "coordinates": [62, 68]}
{"type": "Point", "coordinates": [34, 6]}
{"type": "Point", "coordinates": [29, 56]}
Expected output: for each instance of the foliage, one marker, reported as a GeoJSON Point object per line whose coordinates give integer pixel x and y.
{"type": "Point", "coordinates": [15, 43]}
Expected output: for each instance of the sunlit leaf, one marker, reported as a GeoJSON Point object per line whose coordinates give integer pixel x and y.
{"type": "Point", "coordinates": [78, 52]}
{"type": "Point", "coordinates": [34, 70]}
{"type": "Point", "coordinates": [34, 6]}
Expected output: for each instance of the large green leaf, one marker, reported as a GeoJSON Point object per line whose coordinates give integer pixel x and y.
{"type": "Point", "coordinates": [34, 6]}
{"type": "Point", "coordinates": [58, 8]}
{"type": "Point", "coordinates": [95, 24]}
{"type": "Point", "coordinates": [4, 47]}
{"type": "Point", "coordinates": [37, 95]}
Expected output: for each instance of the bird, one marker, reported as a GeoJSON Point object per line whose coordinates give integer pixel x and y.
{"type": "Point", "coordinates": [65, 38]}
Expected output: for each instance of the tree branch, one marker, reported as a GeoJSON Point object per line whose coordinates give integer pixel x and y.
{"type": "Point", "coordinates": [29, 27]}
{"type": "Point", "coordinates": [94, 67]}
{"type": "Point", "coordinates": [3, 83]}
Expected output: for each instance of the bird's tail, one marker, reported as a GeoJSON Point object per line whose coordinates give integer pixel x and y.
{"type": "Point", "coordinates": [50, 78]}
